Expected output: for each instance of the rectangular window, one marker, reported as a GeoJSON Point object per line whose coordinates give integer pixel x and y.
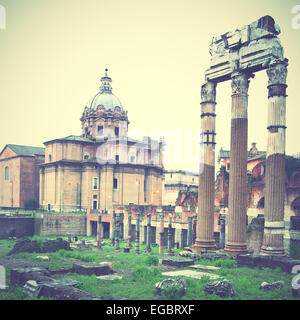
{"type": "Point", "coordinates": [117, 157]}
{"type": "Point", "coordinates": [94, 196]}
{"type": "Point", "coordinates": [116, 131]}
{"type": "Point", "coordinates": [6, 173]}
{"type": "Point", "coordinates": [95, 183]}
{"type": "Point", "coordinates": [95, 204]}
{"type": "Point", "coordinates": [115, 183]}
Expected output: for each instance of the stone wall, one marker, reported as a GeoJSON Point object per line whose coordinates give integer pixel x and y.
{"type": "Point", "coordinates": [60, 224]}
{"type": "Point", "coordinates": [16, 227]}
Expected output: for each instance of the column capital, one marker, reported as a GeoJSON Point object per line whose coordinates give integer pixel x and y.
{"type": "Point", "coordinates": [277, 72]}
{"type": "Point", "coordinates": [208, 92]}
{"type": "Point", "coordinates": [240, 83]}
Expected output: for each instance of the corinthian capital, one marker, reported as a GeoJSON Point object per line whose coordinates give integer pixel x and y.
{"type": "Point", "coordinates": [240, 83]}
{"type": "Point", "coordinates": [208, 92]}
{"type": "Point", "coordinates": [277, 72]}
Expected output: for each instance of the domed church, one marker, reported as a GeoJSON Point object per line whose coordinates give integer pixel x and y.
{"type": "Point", "coordinates": [103, 167]}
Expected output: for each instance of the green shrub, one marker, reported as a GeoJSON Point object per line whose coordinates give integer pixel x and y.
{"type": "Point", "coordinates": [225, 263]}
{"type": "Point", "coordinates": [140, 273]}
{"type": "Point", "coordinates": [152, 260]}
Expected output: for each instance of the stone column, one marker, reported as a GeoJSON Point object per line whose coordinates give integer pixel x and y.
{"type": "Point", "coordinates": [129, 230]}
{"type": "Point", "coordinates": [99, 232]}
{"type": "Point", "coordinates": [205, 225]}
{"type": "Point", "coordinates": [170, 252]}
{"type": "Point", "coordinates": [237, 198]}
{"type": "Point", "coordinates": [273, 242]}
{"type": "Point", "coordinates": [190, 231]}
{"type": "Point", "coordinates": [148, 248]}
{"type": "Point", "coordinates": [117, 232]}
{"type": "Point", "coordinates": [113, 236]}
{"type": "Point", "coordinates": [137, 230]}
{"type": "Point", "coordinates": [161, 232]}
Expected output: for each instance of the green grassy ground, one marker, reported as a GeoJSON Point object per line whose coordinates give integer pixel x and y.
{"type": "Point", "coordinates": [141, 272]}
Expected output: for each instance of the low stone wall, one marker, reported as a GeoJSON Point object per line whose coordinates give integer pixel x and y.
{"type": "Point", "coordinates": [60, 224]}
{"type": "Point", "coordinates": [16, 227]}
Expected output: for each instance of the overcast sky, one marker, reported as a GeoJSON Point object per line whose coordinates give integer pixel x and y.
{"type": "Point", "coordinates": [54, 52]}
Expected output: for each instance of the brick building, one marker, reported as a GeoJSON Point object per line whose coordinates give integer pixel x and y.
{"type": "Point", "coordinates": [19, 175]}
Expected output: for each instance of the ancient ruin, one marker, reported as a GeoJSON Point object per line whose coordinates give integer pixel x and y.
{"type": "Point", "coordinates": [236, 56]}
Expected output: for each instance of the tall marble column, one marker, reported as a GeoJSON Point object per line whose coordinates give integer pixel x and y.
{"type": "Point", "coordinates": [237, 198]}
{"type": "Point", "coordinates": [275, 161]}
{"type": "Point", "coordinates": [205, 220]}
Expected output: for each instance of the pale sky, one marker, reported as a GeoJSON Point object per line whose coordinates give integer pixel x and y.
{"type": "Point", "coordinates": [54, 52]}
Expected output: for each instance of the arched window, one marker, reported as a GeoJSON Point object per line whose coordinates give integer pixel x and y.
{"type": "Point", "coordinates": [6, 173]}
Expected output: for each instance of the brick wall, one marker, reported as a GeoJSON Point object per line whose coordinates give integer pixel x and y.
{"type": "Point", "coordinates": [61, 224]}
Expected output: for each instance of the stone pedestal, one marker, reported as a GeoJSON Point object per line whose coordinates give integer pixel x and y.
{"type": "Point", "coordinates": [273, 242]}
{"type": "Point", "coordinates": [237, 198]}
{"type": "Point", "coordinates": [205, 217]}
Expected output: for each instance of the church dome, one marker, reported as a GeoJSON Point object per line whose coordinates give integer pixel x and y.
{"type": "Point", "coordinates": [105, 97]}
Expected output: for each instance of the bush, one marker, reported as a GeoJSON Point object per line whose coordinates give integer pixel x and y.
{"type": "Point", "coordinates": [225, 263]}
{"type": "Point", "coordinates": [144, 273]}
{"type": "Point", "coordinates": [152, 261]}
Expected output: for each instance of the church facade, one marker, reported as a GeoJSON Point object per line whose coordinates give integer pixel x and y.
{"type": "Point", "coordinates": [103, 168]}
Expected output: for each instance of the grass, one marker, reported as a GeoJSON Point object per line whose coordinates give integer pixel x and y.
{"type": "Point", "coordinates": [141, 273]}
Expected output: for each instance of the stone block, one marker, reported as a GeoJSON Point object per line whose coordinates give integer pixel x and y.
{"type": "Point", "coordinates": [168, 283]}
{"type": "Point", "coordinates": [19, 276]}
{"type": "Point", "coordinates": [271, 286]}
{"type": "Point", "coordinates": [175, 262]}
{"type": "Point", "coordinates": [191, 274]}
{"type": "Point", "coordinates": [203, 267]}
{"type": "Point", "coordinates": [222, 288]}
{"type": "Point", "coordinates": [88, 268]}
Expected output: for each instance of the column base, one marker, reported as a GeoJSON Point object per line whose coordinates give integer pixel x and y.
{"type": "Point", "coordinates": [236, 248]}
{"type": "Point", "coordinates": [203, 245]}
{"type": "Point", "coordinates": [272, 251]}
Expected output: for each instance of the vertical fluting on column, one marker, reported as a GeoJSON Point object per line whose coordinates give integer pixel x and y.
{"type": "Point", "coordinates": [275, 160]}
{"type": "Point", "coordinates": [237, 198]}
{"type": "Point", "coordinates": [205, 218]}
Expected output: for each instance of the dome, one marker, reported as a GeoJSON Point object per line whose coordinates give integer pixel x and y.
{"type": "Point", "coordinates": [105, 97]}
{"type": "Point", "coordinates": [107, 100]}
